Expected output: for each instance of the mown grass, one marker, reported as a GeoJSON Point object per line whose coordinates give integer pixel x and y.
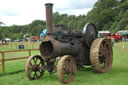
{"type": "Point", "coordinates": [118, 75]}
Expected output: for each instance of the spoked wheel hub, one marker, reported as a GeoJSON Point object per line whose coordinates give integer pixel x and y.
{"type": "Point", "coordinates": [35, 68]}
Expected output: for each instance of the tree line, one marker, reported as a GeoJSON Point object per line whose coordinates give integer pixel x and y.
{"type": "Point", "coordinates": [109, 15]}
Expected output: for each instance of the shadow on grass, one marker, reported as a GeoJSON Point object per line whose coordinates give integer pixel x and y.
{"type": "Point", "coordinates": [11, 73]}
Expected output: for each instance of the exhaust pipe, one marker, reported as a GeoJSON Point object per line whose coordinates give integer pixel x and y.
{"type": "Point", "coordinates": [49, 19]}
{"type": "Point", "coordinates": [49, 47]}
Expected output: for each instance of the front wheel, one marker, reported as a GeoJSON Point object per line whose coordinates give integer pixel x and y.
{"type": "Point", "coordinates": [34, 68]}
{"type": "Point", "coordinates": [66, 69]}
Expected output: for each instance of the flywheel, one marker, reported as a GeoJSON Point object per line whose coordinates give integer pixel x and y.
{"type": "Point", "coordinates": [90, 33]}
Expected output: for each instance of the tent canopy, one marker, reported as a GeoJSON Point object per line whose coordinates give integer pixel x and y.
{"type": "Point", "coordinates": [123, 33]}
{"type": "Point", "coordinates": [104, 32]}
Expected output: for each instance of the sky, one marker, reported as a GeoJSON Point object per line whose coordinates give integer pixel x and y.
{"type": "Point", "coordinates": [21, 12]}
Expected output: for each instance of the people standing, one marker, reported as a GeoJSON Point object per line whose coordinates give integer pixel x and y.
{"type": "Point", "coordinates": [112, 40]}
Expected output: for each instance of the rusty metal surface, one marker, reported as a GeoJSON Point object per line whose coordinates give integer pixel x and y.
{"type": "Point", "coordinates": [101, 55]}
{"type": "Point", "coordinates": [51, 48]}
{"type": "Point", "coordinates": [49, 19]}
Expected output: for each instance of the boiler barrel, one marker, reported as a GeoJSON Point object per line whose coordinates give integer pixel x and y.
{"type": "Point", "coordinates": [53, 48]}
{"type": "Point", "coordinates": [70, 49]}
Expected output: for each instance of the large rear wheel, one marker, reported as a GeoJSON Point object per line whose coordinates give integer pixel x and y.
{"type": "Point", "coordinates": [101, 55]}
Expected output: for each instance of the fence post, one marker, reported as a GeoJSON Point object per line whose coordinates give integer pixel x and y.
{"type": "Point", "coordinates": [16, 45]}
{"type": "Point", "coordinates": [29, 52]}
{"type": "Point", "coordinates": [38, 44]}
{"type": "Point", "coordinates": [3, 64]}
{"type": "Point", "coordinates": [32, 46]}
{"type": "Point", "coordinates": [11, 44]}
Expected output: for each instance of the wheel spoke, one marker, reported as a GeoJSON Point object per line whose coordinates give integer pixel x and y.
{"type": "Point", "coordinates": [35, 60]}
{"type": "Point", "coordinates": [30, 67]}
{"type": "Point", "coordinates": [108, 52]}
{"type": "Point", "coordinates": [40, 71]}
{"type": "Point", "coordinates": [101, 52]}
{"type": "Point", "coordinates": [35, 75]}
{"type": "Point", "coordinates": [105, 47]}
{"type": "Point", "coordinates": [39, 63]}
{"type": "Point", "coordinates": [30, 72]}
{"type": "Point", "coordinates": [30, 64]}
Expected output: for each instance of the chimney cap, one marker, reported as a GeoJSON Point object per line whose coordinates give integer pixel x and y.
{"type": "Point", "coordinates": [49, 5]}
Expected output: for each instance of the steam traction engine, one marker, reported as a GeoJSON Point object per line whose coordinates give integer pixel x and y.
{"type": "Point", "coordinates": [74, 50]}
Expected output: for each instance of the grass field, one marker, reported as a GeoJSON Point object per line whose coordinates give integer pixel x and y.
{"type": "Point", "coordinates": [118, 75]}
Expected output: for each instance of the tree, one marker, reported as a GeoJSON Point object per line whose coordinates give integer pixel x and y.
{"type": "Point", "coordinates": [109, 15]}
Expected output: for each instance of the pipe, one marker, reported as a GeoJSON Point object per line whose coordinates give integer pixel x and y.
{"type": "Point", "coordinates": [49, 19]}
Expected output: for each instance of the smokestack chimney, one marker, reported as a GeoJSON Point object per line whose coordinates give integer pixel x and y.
{"type": "Point", "coordinates": [49, 19]}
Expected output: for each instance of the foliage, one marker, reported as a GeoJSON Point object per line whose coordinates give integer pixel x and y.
{"type": "Point", "coordinates": [36, 27]}
{"type": "Point", "coordinates": [109, 15]}
{"type": "Point", "coordinates": [17, 31]}
{"type": "Point", "coordinates": [71, 22]}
